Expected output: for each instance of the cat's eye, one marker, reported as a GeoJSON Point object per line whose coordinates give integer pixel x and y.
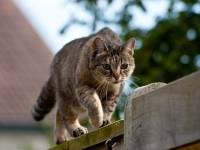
{"type": "Point", "coordinates": [106, 66]}
{"type": "Point", "coordinates": [124, 66]}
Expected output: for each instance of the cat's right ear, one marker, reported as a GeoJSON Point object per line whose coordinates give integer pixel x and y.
{"type": "Point", "coordinates": [99, 45]}
{"type": "Point", "coordinates": [129, 46]}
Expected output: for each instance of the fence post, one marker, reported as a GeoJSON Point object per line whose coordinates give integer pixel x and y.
{"type": "Point", "coordinates": [165, 118]}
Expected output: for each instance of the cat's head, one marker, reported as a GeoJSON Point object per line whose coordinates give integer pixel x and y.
{"type": "Point", "coordinates": [112, 63]}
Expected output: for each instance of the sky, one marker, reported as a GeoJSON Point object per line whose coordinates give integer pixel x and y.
{"type": "Point", "coordinates": [49, 16]}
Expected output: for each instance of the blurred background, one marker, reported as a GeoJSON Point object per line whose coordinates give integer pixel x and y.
{"type": "Point", "coordinates": [31, 32]}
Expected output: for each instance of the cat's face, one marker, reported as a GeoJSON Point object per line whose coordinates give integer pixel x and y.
{"type": "Point", "coordinates": [113, 64]}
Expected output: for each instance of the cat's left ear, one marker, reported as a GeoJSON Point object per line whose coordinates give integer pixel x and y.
{"type": "Point", "coordinates": [129, 46]}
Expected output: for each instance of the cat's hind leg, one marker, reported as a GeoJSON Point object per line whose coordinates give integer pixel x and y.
{"type": "Point", "coordinates": [68, 122]}
{"type": "Point", "coordinates": [73, 126]}
{"type": "Point", "coordinates": [60, 130]}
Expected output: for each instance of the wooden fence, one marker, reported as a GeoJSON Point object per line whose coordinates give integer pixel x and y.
{"type": "Point", "coordinates": [157, 117]}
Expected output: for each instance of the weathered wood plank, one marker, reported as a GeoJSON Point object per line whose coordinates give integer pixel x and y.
{"type": "Point", "coordinates": [165, 118]}
{"type": "Point", "coordinates": [190, 146]}
{"type": "Point", "coordinates": [95, 137]}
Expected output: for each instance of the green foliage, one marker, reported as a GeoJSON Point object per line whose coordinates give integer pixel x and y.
{"type": "Point", "coordinates": [168, 51]}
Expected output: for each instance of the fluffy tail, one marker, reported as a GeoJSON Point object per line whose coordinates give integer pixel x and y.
{"type": "Point", "coordinates": [45, 101]}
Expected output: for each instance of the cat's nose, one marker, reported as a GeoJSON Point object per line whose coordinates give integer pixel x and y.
{"type": "Point", "coordinates": [116, 76]}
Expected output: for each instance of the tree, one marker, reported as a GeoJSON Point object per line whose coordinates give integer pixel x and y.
{"type": "Point", "coordinates": [168, 51]}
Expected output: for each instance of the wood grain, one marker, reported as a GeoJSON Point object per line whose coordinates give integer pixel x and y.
{"type": "Point", "coordinates": [165, 118]}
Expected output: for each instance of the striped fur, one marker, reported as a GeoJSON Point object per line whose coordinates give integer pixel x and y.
{"type": "Point", "coordinates": [45, 102]}
{"type": "Point", "coordinates": [86, 76]}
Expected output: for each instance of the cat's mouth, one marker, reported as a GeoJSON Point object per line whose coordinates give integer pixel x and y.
{"type": "Point", "coordinates": [115, 81]}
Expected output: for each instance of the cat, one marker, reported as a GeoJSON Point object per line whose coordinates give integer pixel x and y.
{"type": "Point", "coordinates": [87, 75]}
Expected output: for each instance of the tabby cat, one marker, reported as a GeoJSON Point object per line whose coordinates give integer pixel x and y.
{"type": "Point", "coordinates": [86, 75]}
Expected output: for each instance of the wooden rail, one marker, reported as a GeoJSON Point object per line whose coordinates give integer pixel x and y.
{"type": "Point", "coordinates": [94, 139]}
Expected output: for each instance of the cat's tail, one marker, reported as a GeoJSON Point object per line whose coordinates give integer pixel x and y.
{"type": "Point", "coordinates": [45, 101]}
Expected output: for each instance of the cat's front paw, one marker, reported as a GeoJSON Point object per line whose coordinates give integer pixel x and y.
{"type": "Point", "coordinates": [105, 122]}
{"type": "Point", "coordinates": [96, 122]}
{"type": "Point", "coordinates": [79, 131]}
{"type": "Point", "coordinates": [96, 117]}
